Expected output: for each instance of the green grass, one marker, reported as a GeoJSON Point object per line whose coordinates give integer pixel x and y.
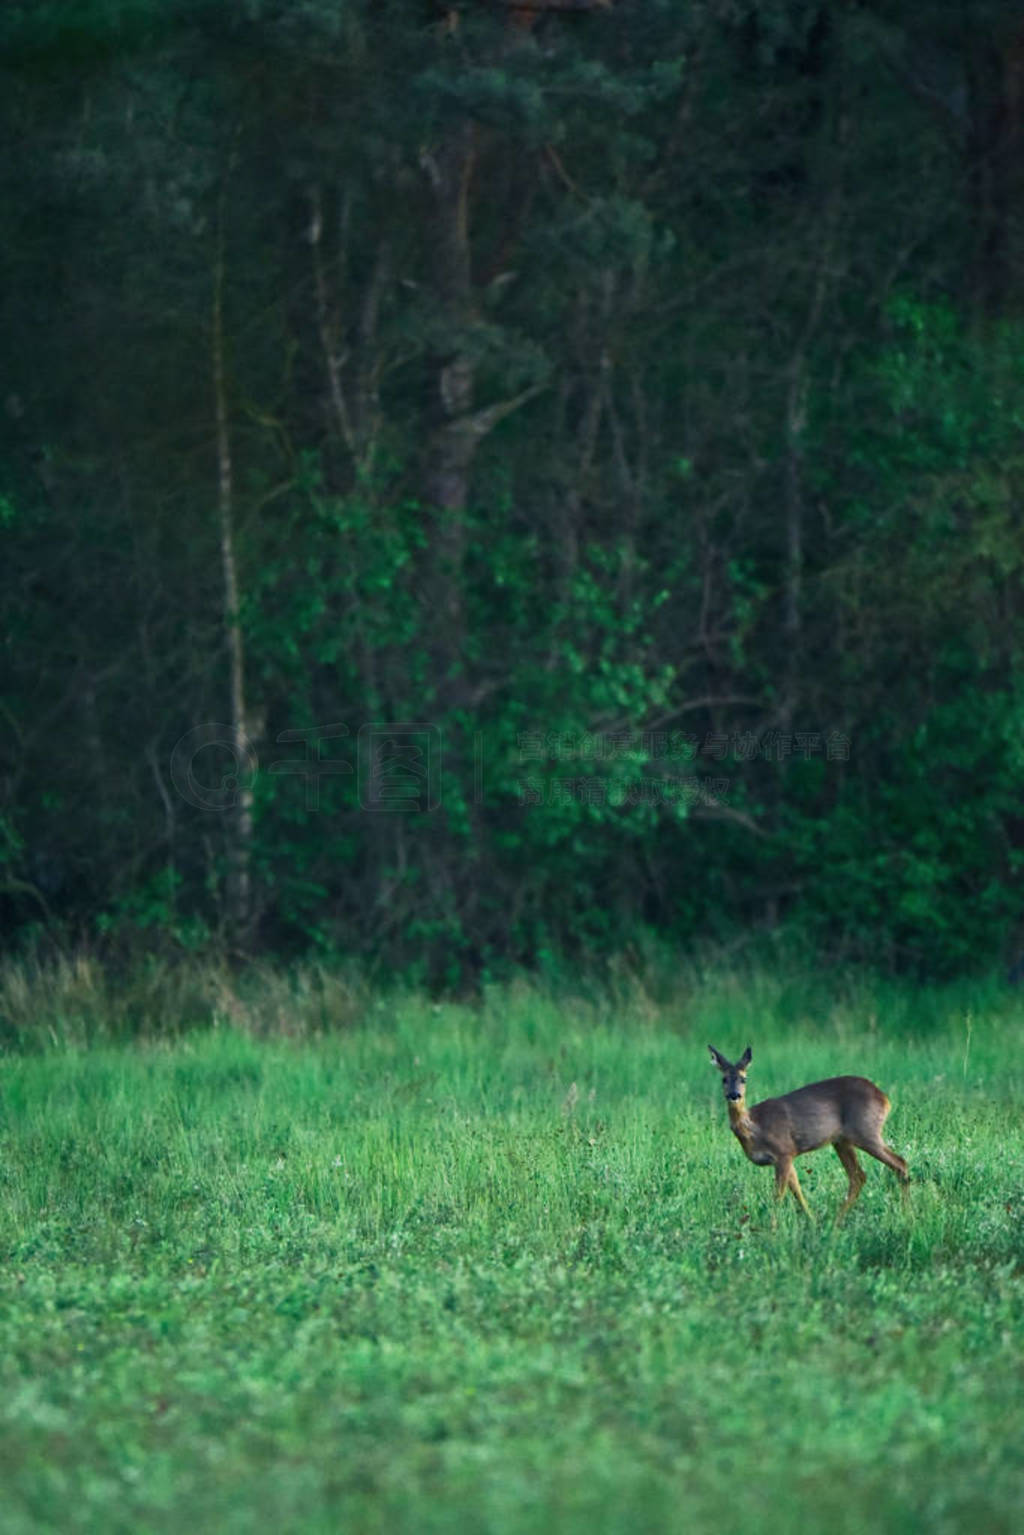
{"type": "Point", "coordinates": [406, 1277]}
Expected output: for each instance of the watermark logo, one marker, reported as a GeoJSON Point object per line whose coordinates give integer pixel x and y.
{"type": "Point", "coordinates": [209, 771]}
{"type": "Point", "coordinates": [314, 765]}
{"type": "Point", "coordinates": [399, 767]}
{"type": "Point", "coordinates": [771, 745]}
{"type": "Point", "coordinates": [396, 767]}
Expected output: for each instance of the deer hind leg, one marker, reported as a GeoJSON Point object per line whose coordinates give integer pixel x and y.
{"type": "Point", "coordinates": [854, 1172]}
{"type": "Point", "coordinates": [786, 1180]}
{"type": "Point", "coordinates": [877, 1148]}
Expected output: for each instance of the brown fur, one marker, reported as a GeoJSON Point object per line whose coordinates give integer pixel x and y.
{"type": "Point", "coordinates": [844, 1112]}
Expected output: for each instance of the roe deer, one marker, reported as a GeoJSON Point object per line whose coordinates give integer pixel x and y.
{"type": "Point", "coordinates": [843, 1112]}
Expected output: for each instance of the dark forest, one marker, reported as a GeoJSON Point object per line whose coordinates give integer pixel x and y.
{"type": "Point", "coordinates": [489, 484]}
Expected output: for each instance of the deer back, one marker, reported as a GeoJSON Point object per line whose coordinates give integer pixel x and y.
{"type": "Point", "coordinates": [840, 1108]}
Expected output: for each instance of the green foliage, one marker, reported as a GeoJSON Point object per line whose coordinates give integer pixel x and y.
{"type": "Point", "coordinates": [82, 31]}
{"type": "Point", "coordinates": [918, 848]}
{"type": "Point", "coordinates": [155, 909]}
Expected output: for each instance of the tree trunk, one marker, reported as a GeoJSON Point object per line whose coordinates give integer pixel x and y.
{"type": "Point", "coordinates": [458, 426]}
{"type": "Point", "coordinates": [452, 443]}
{"type": "Point", "coordinates": [240, 822]}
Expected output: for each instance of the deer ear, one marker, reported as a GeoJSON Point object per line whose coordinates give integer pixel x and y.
{"type": "Point", "coordinates": [744, 1059]}
{"type": "Point", "coordinates": [716, 1059]}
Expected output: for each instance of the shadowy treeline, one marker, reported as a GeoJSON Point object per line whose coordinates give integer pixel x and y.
{"type": "Point", "coordinates": [481, 482]}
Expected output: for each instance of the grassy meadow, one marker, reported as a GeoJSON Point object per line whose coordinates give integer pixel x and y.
{"type": "Point", "coordinates": [340, 1260]}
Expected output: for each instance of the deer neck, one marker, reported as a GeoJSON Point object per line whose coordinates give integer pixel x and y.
{"type": "Point", "coordinates": [740, 1122]}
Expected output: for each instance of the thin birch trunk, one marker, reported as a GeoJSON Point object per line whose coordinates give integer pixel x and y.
{"type": "Point", "coordinates": [240, 833]}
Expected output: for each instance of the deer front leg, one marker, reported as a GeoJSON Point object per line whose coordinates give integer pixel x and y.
{"type": "Point", "coordinates": [786, 1178]}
